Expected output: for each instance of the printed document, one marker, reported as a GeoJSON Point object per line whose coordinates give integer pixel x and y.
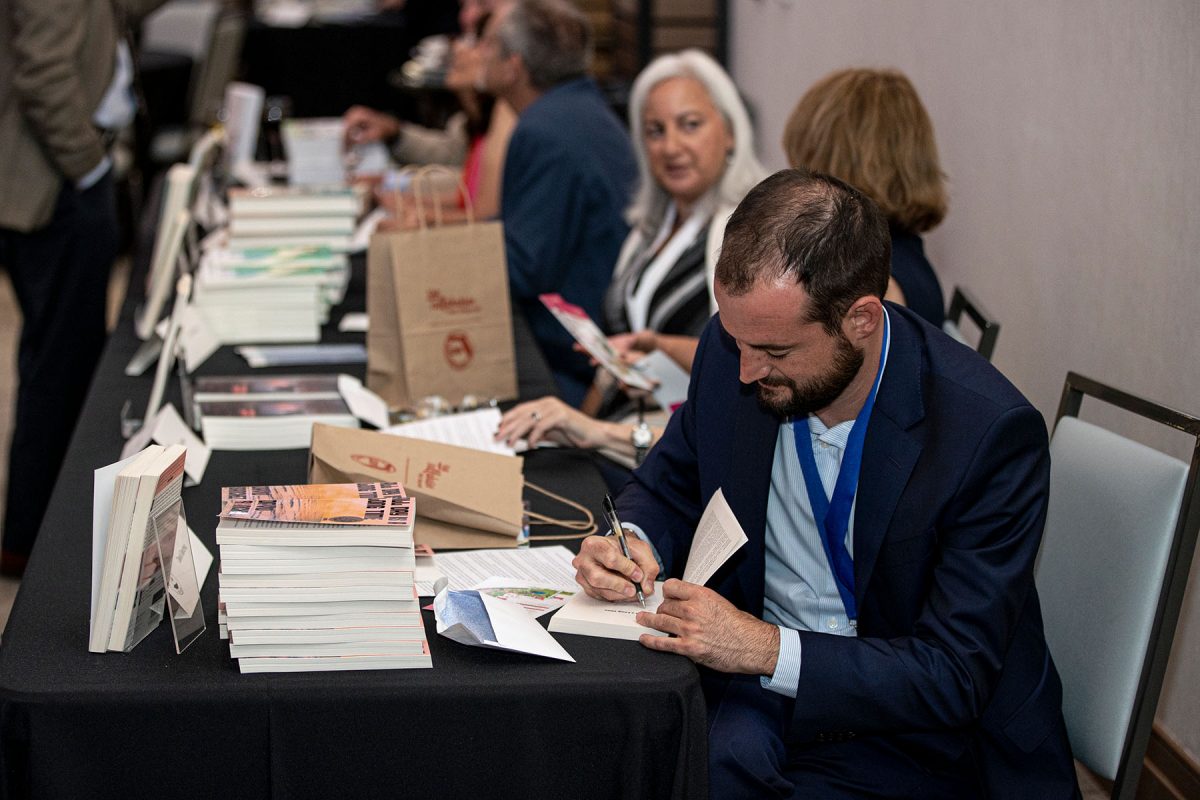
{"type": "Point", "coordinates": [472, 429]}
{"type": "Point", "coordinates": [545, 566]}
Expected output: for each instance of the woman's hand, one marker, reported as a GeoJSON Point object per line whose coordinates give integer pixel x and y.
{"type": "Point", "coordinates": [550, 419]}
{"type": "Point", "coordinates": [361, 125]}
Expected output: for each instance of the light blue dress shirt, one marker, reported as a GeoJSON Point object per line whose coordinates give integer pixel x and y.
{"type": "Point", "coordinates": [116, 110]}
{"type": "Point", "coordinates": [799, 591]}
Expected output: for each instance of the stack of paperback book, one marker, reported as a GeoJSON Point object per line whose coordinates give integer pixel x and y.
{"type": "Point", "coordinates": [138, 513]}
{"type": "Point", "coordinates": [319, 577]}
{"type": "Point", "coordinates": [282, 264]}
{"type": "Point", "coordinates": [292, 216]}
{"type": "Point", "coordinates": [267, 413]}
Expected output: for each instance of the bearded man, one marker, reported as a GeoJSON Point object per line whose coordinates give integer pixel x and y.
{"type": "Point", "coordinates": [879, 635]}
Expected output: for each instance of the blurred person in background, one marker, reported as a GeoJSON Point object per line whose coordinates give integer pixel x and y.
{"type": "Point", "coordinates": [567, 176]}
{"type": "Point", "coordinates": [475, 138]}
{"type": "Point", "coordinates": [869, 128]}
{"type": "Point", "coordinates": [695, 153]}
{"type": "Point", "coordinates": [66, 89]}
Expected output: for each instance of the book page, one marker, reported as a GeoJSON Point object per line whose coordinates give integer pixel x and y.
{"type": "Point", "coordinates": [718, 536]}
{"type": "Point", "coordinates": [472, 429]}
{"type": "Point", "coordinates": [544, 566]}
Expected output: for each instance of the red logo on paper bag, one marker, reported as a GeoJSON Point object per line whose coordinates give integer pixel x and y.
{"type": "Point", "coordinates": [428, 477]}
{"type": "Point", "coordinates": [451, 305]}
{"type": "Point", "coordinates": [374, 462]}
{"type": "Point", "coordinates": [457, 350]}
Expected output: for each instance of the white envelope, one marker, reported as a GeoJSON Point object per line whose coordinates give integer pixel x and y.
{"type": "Point", "coordinates": [512, 627]}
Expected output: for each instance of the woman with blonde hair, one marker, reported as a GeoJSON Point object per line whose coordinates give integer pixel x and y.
{"type": "Point", "coordinates": [869, 128]}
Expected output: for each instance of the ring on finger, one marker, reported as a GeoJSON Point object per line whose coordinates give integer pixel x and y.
{"type": "Point", "coordinates": [536, 416]}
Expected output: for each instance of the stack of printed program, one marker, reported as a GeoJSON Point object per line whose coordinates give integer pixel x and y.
{"type": "Point", "coordinates": [273, 412]}
{"type": "Point", "coordinates": [283, 266]}
{"type": "Point", "coordinates": [318, 578]}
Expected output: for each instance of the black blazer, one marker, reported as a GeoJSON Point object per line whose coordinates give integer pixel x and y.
{"type": "Point", "coordinates": [951, 502]}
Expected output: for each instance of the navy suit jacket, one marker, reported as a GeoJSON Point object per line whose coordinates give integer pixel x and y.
{"type": "Point", "coordinates": [568, 176]}
{"type": "Point", "coordinates": [951, 502]}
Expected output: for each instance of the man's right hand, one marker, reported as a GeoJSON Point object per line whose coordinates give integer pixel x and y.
{"type": "Point", "coordinates": [361, 124]}
{"type": "Point", "coordinates": [606, 574]}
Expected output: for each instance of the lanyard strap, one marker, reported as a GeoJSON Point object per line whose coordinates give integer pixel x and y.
{"type": "Point", "coordinates": [832, 515]}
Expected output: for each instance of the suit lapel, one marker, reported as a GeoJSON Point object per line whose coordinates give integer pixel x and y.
{"type": "Point", "coordinates": [890, 451]}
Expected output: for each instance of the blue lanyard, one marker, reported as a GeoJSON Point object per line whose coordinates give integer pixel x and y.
{"type": "Point", "coordinates": [832, 515]}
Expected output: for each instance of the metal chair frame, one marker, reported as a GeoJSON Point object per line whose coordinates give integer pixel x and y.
{"type": "Point", "coordinates": [1170, 600]}
{"type": "Point", "coordinates": [962, 302]}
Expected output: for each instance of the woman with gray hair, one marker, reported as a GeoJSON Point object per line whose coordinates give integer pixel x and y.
{"type": "Point", "coordinates": [695, 155]}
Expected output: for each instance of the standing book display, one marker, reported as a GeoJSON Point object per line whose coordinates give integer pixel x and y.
{"type": "Point", "coordinates": [441, 322]}
{"type": "Point", "coordinates": [142, 567]}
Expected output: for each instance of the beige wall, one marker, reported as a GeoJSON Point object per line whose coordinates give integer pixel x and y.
{"type": "Point", "coordinates": [1071, 135]}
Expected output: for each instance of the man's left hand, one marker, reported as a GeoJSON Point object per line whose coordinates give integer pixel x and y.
{"type": "Point", "coordinates": [709, 630]}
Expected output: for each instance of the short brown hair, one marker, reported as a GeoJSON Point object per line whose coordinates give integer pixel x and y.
{"type": "Point", "coordinates": [868, 128]}
{"type": "Point", "coordinates": [815, 230]}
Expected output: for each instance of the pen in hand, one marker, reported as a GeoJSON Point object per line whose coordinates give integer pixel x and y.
{"type": "Point", "coordinates": [610, 515]}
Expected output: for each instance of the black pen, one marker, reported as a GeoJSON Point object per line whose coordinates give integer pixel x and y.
{"type": "Point", "coordinates": [610, 515]}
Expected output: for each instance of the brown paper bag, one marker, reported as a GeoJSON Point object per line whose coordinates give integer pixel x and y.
{"type": "Point", "coordinates": [465, 498]}
{"type": "Point", "coordinates": [441, 323]}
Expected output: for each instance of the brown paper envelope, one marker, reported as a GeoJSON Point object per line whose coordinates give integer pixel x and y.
{"type": "Point", "coordinates": [453, 485]}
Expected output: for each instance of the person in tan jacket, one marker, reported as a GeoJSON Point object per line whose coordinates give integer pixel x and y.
{"type": "Point", "coordinates": [65, 90]}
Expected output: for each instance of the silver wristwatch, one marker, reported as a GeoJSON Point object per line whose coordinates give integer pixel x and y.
{"type": "Point", "coordinates": [641, 438]}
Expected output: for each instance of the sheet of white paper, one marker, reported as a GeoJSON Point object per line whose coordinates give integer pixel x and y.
{"type": "Point", "coordinates": [537, 599]}
{"type": "Point", "coordinates": [104, 481]}
{"type": "Point", "coordinates": [363, 403]}
{"type": "Point", "coordinates": [169, 428]}
{"type": "Point", "coordinates": [197, 339]}
{"type": "Point", "coordinates": [550, 566]}
{"type": "Point", "coordinates": [672, 386]}
{"type": "Point", "coordinates": [353, 322]}
{"type": "Point", "coordinates": [718, 536]}
{"type": "Point", "coordinates": [426, 577]}
{"type": "Point", "coordinates": [371, 159]}
{"type": "Point", "coordinates": [473, 429]}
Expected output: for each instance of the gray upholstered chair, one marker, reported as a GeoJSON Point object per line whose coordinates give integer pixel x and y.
{"type": "Point", "coordinates": [1120, 534]}
{"type": "Point", "coordinates": [962, 302]}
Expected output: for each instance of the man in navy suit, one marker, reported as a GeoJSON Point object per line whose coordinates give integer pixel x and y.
{"type": "Point", "coordinates": [879, 635]}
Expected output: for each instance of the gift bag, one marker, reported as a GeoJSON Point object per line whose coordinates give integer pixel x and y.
{"type": "Point", "coordinates": [441, 323]}
{"type": "Point", "coordinates": [465, 498]}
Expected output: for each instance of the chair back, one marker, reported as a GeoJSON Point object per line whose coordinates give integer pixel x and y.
{"type": "Point", "coordinates": [1120, 532]}
{"type": "Point", "coordinates": [963, 302]}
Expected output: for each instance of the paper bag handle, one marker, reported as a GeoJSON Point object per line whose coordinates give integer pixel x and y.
{"type": "Point", "coordinates": [423, 175]}
{"type": "Point", "coordinates": [583, 527]}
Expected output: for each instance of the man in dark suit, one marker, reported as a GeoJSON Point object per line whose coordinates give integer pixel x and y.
{"type": "Point", "coordinates": [568, 173]}
{"type": "Point", "coordinates": [66, 88]}
{"type": "Point", "coordinates": [879, 634]}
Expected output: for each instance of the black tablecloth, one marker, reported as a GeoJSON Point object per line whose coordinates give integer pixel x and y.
{"type": "Point", "coordinates": [621, 722]}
